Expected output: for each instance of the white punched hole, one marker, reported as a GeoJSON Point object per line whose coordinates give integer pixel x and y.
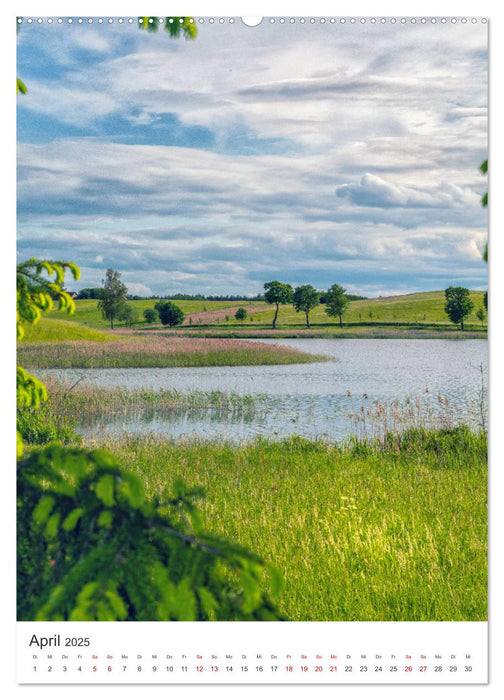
{"type": "Point", "coordinates": [252, 21]}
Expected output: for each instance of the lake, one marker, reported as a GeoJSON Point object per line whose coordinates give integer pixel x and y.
{"type": "Point", "coordinates": [414, 381]}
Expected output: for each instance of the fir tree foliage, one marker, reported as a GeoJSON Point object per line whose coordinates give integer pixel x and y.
{"type": "Point", "coordinates": [39, 283]}
{"type": "Point", "coordinates": [92, 547]}
{"type": "Point", "coordinates": [175, 26]}
{"type": "Point", "coordinates": [36, 291]}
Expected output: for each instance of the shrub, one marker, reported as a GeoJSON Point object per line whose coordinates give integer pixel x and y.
{"type": "Point", "coordinates": [150, 315]}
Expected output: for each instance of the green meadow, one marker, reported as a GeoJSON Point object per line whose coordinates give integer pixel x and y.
{"type": "Point", "coordinates": [358, 531]}
{"type": "Point", "coordinates": [414, 314]}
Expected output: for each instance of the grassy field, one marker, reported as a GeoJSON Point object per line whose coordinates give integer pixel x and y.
{"type": "Point", "coordinates": [157, 351]}
{"type": "Point", "coordinates": [359, 532]}
{"type": "Point", "coordinates": [422, 312]}
{"type": "Point", "coordinates": [50, 330]}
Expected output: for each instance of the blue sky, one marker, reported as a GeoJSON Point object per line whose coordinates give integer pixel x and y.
{"type": "Point", "coordinates": [310, 154]}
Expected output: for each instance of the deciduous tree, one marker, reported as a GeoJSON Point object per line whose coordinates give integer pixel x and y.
{"type": "Point", "coordinates": [169, 313]}
{"type": "Point", "coordinates": [458, 304]}
{"type": "Point", "coordinates": [306, 298]}
{"type": "Point", "coordinates": [336, 302]}
{"type": "Point", "coordinates": [113, 299]}
{"type": "Point", "coordinates": [277, 293]}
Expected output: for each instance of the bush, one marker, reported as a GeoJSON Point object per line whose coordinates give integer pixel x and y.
{"type": "Point", "coordinates": [150, 315]}
{"type": "Point", "coordinates": [241, 314]}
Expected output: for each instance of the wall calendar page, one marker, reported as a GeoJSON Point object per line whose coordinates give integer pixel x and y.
{"type": "Point", "coordinates": [252, 348]}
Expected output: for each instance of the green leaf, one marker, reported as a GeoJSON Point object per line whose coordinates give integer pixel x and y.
{"type": "Point", "coordinates": [74, 270]}
{"type": "Point", "coordinates": [185, 602]}
{"type": "Point", "coordinates": [277, 580]}
{"type": "Point", "coordinates": [105, 489]}
{"type": "Point", "coordinates": [105, 519]}
{"type": "Point", "coordinates": [131, 489]}
{"type": "Point", "coordinates": [102, 458]}
{"type": "Point", "coordinates": [43, 509]}
{"type": "Point", "coordinates": [117, 604]}
{"type": "Point", "coordinates": [209, 604]}
{"type": "Point", "coordinates": [21, 87]}
{"type": "Point", "coordinates": [51, 529]}
{"type": "Point", "coordinates": [72, 519]}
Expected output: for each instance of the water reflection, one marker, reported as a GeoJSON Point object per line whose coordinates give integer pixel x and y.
{"type": "Point", "coordinates": [441, 380]}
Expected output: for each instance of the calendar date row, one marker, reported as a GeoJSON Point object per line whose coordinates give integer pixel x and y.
{"type": "Point", "coordinates": [353, 669]}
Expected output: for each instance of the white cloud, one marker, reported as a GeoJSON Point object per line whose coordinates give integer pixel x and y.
{"type": "Point", "coordinates": [138, 289]}
{"type": "Point", "coordinates": [373, 191]}
{"type": "Point", "coordinates": [391, 119]}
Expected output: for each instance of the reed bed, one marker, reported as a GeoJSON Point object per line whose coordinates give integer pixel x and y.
{"type": "Point", "coordinates": [159, 351]}
{"type": "Point", "coordinates": [378, 420]}
{"type": "Point", "coordinates": [78, 401]}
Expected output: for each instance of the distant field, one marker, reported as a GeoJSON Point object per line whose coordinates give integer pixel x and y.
{"type": "Point", "coordinates": [62, 329]}
{"type": "Point", "coordinates": [425, 308]}
{"type": "Point", "coordinates": [201, 312]}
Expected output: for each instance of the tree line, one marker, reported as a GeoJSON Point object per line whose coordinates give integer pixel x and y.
{"type": "Point", "coordinates": [305, 298]}
{"type": "Point", "coordinates": [113, 298]}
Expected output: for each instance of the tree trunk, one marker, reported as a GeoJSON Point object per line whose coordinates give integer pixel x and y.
{"type": "Point", "coordinates": [275, 317]}
{"type": "Point", "coordinates": [307, 319]}
{"type": "Point", "coordinates": [462, 324]}
{"type": "Point", "coordinates": [112, 322]}
{"type": "Point", "coordinates": [340, 321]}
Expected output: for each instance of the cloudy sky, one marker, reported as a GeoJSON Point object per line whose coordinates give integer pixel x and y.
{"type": "Point", "coordinates": [315, 154]}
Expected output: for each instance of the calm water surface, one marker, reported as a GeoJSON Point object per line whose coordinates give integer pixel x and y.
{"type": "Point", "coordinates": [312, 400]}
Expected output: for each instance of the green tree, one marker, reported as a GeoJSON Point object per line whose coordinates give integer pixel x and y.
{"type": "Point", "coordinates": [129, 315]}
{"type": "Point", "coordinates": [277, 293]}
{"type": "Point", "coordinates": [169, 313]}
{"type": "Point", "coordinates": [336, 302]}
{"type": "Point", "coordinates": [481, 315]}
{"type": "Point", "coordinates": [241, 314]}
{"type": "Point", "coordinates": [305, 298]}
{"type": "Point", "coordinates": [90, 293]}
{"type": "Point", "coordinates": [113, 299]}
{"type": "Point", "coordinates": [151, 315]}
{"type": "Point", "coordinates": [458, 304]}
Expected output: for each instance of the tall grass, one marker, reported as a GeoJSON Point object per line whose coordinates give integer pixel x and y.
{"type": "Point", "coordinates": [159, 351]}
{"type": "Point", "coordinates": [80, 402]}
{"type": "Point", "coordinates": [391, 530]}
